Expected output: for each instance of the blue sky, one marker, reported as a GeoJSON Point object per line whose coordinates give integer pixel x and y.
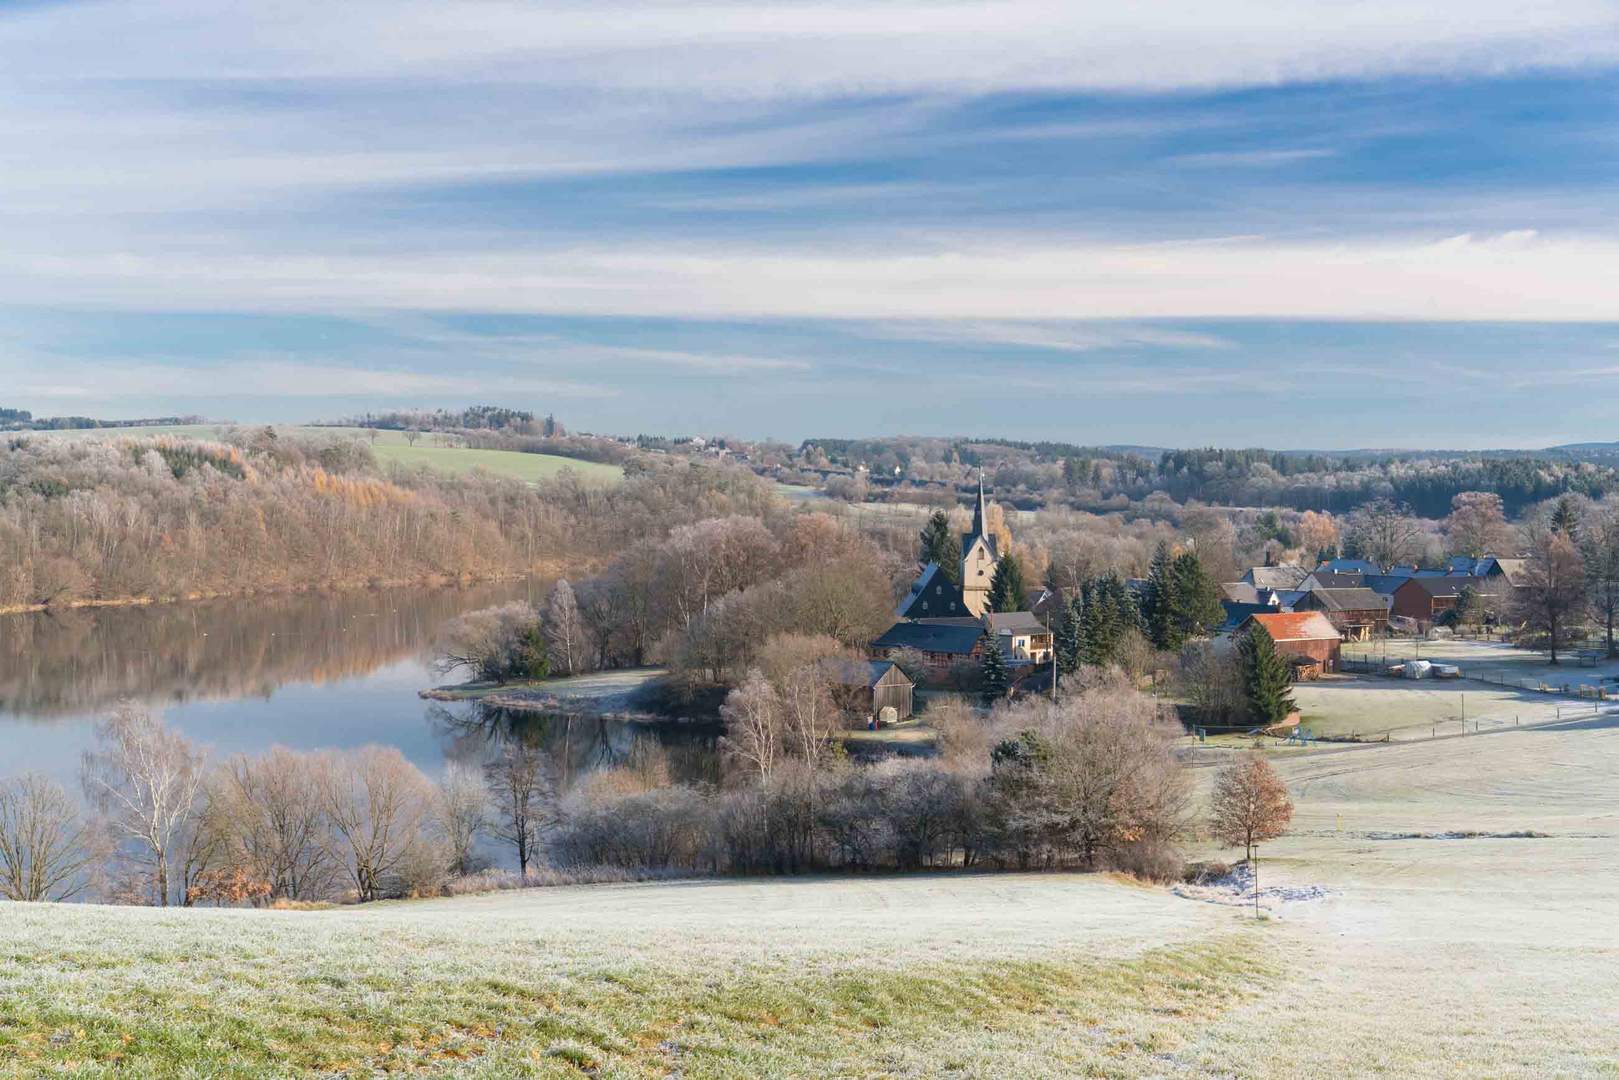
{"type": "Point", "coordinates": [1289, 224]}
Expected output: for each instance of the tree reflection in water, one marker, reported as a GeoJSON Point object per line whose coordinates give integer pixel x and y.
{"type": "Point", "coordinates": [474, 732]}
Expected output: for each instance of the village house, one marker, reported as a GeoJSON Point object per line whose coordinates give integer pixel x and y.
{"type": "Point", "coordinates": [1022, 636]}
{"type": "Point", "coordinates": [1281, 577]}
{"type": "Point", "coordinates": [1306, 638]}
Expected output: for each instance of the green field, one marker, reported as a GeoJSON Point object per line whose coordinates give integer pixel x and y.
{"type": "Point", "coordinates": [433, 451]}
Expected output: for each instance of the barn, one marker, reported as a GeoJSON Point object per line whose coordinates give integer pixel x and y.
{"type": "Point", "coordinates": [1307, 638]}
{"type": "Point", "coordinates": [867, 687]}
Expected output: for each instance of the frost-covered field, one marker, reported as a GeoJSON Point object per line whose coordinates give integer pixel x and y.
{"type": "Point", "coordinates": [969, 975]}
{"type": "Point", "coordinates": [1450, 946]}
{"type": "Point", "coordinates": [1448, 943]}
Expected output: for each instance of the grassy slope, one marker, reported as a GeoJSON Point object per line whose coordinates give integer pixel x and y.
{"type": "Point", "coordinates": [391, 448]}
{"type": "Point", "coordinates": [965, 976]}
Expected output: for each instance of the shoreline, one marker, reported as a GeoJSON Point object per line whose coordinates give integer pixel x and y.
{"type": "Point", "coordinates": [437, 581]}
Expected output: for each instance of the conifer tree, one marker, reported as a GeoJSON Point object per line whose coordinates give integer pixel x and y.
{"type": "Point", "coordinates": [1006, 591]}
{"type": "Point", "coordinates": [997, 677]}
{"type": "Point", "coordinates": [1566, 517]}
{"type": "Point", "coordinates": [1197, 600]}
{"type": "Point", "coordinates": [1066, 638]}
{"type": "Point", "coordinates": [1266, 678]}
{"type": "Point", "coordinates": [941, 545]}
{"type": "Point", "coordinates": [1161, 606]}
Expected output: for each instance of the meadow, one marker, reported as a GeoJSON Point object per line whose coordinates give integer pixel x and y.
{"type": "Point", "coordinates": [1470, 889]}
{"type": "Point", "coordinates": [440, 452]}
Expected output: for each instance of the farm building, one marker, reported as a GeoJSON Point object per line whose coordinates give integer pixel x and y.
{"type": "Point", "coordinates": [941, 642]}
{"type": "Point", "coordinates": [1357, 613]}
{"type": "Point", "coordinates": [1306, 638]}
{"type": "Point", "coordinates": [867, 687]}
{"type": "Point", "coordinates": [1427, 600]}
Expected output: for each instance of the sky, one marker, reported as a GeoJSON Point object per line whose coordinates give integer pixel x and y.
{"type": "Point", "coordinates": [1360, 223]}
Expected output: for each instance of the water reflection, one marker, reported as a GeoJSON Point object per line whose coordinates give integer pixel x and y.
{"type": "Point", "coordinates": [577, 746]}
{"type": "Point", "coordinates": [311, 671]}
{"type": "Point", "coordinates": [85, 660]}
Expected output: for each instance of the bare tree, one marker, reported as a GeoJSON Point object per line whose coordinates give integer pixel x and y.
{"type": "Point", "coordinates": [44, 847]}
{"type": "Point", "coordinates": [462, 811]}
{"type": "Point", "coordinates": [520, 788]}
{"type": "Point", "coordinates": [1599, 544]}
{"type": "Point", "coordinates": [564, 630]}
{"type": "Point", "coordinates": [497, 644]}
{"type": "Point", "coordinates": [411, 435]}
{"type": "Point", "coordinates": [376, 804]}
{"type": "Point", "coordinates": [1553, 592]}
{"type": "Point", "coordinates": [753, 725]}
{"type": "Point", "coordinates": [269, 813]}
{"type": "Point", "coordinates": [144, 780]}
{"type": "Point", "coordinates": [1384, 532]}
{"type": "Point", "coordinates": [1249, 804]}
{"type": "Point", "coordinates": [1477, 525]}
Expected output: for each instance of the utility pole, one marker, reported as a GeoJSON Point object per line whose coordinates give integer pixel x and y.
{"type": "Point", "coordinates": [1054, 671]}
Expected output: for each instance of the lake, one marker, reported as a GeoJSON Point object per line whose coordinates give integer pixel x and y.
{"type": "Point", "coordinates": [308, 671]}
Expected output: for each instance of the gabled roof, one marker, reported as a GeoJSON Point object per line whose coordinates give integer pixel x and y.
{"type": "Point", "coordinates": [1240, 592]}
{"type": "Point", "coordinates": [1043, 598]}
{"type": "Point", "coordinates": [934, 637]}
{"type": "Point", "coordinates": [1349, 566]}
{"type": "Point", "coordinates": [1285, 576]}
{"type": "Point", "coordinates": [1236, 614]}
{"type": "Point", "coordinates": [1385, 584]}
{"type": "Point", "coordinates": [1330, 579]}
{"type": "Point", "coordinates": [1297, 626]}
{"type": "Point", "coordinates": [1514, 571]}
{"type": "Point", "coordinates": [1453, 585]}
{"type": "Point", "coordinates": [932, 595]}
{"type": "Point", "coordinates": [1016, 622]}
{"type": "Point", "coordinates": [867, 673]}
{"type": "Point", "coordinates": [1360, 599]}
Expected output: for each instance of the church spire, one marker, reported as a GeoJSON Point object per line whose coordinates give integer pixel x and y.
{"type": "Point", "coordinates": [978, 508]}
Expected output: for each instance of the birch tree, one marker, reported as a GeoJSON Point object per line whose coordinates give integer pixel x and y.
{"type": "Point", "coordinates": [144, 780]}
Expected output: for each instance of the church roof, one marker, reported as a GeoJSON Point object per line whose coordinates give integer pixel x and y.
{"type": "Point", "coordinates": [932, 595]}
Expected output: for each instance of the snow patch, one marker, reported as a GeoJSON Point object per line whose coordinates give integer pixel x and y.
{"type": "Point", "coordinates": [1236, 889]}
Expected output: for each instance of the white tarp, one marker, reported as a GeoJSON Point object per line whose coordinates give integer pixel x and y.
{"type": "Point", "coordinates": [1417, 669]}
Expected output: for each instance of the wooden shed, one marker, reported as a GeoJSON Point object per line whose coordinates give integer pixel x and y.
{"type": "Point", "coordinates": [870, 686]}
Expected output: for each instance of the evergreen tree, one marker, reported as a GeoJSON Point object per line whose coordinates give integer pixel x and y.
{"type": "Point", "coordinates": [1197, 600]}
{"type": "Point", "coordinates": [1161, 605]}
{"type": "Point", "coordinates": [941, 545]}
{"type": "Point", "coordinates": [997, 676]}
{"type": "Point", "coordinates": [1066, 639]}
{"type": "Point", "coordinates": [1566, 517]}
{"type": "Point", "coordinates": [1266, 678]}
{"type": "Point", "coordinates": [1006, 591]}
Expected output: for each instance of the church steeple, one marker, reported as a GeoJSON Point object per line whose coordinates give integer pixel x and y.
{"type": "Point", "coordinates": [978, 508]}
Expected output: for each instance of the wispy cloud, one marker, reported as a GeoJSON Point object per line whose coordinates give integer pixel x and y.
{"type": "Point", "coordinates": [1069, 336]}
{"type": "Point", "coordinates": [1513, 276]}
{"type": "Point", "coordinates": [1251, 158]}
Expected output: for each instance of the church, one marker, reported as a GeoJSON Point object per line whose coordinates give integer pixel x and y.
{"type": "Point", "coordinates": [935, 596]}
{"type": "Point", "coordinates": [945, 622]}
